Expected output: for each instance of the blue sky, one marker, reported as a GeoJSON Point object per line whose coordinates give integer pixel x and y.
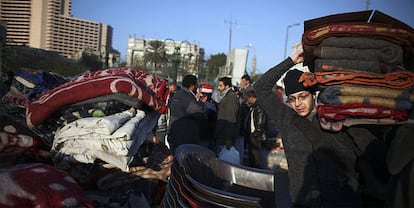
{"type": "Point", "coordinates": [261, 23]}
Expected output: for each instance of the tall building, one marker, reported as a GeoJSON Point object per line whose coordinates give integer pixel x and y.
{"type": "Point", "coordinates": [49, 25]}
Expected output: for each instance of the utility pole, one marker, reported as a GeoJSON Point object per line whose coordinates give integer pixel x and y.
{"type": "Point", "coordinates": [230, 30]}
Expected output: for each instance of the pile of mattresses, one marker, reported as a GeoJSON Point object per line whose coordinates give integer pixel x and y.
{"type": "Point", "coordinates": [199, 179]}
{"type": "Point", "coordinates": [97, 128]}
{"type": "Point", "coordinates": [363, 63]}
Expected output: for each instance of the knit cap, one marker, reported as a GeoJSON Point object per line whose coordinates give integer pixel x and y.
{"type": "Point", "coordinates": [291, 81]}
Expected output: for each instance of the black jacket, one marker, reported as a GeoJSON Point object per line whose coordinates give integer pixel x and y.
{"type": "Point", "coordinates": [259, 122]}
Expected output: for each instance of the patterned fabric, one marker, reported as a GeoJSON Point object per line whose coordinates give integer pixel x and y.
{"type": "Point", "coordinates": [382, 31]}
{"type": "Point", "coordinates": [149, 89]}
{"type": "Point", "coordinates": [39, 185]}
{"type": "Point", "coordinates": [345, 111]}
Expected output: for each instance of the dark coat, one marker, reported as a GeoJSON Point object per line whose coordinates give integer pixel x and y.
{"type": "Point", "coordinates": [259, 121]}
{"type": "Point", "coordinates": [322, 164]}
{"type": "Point", "coordinates": [228, 121]}
{"type": "Point", "coordinates": [257, 134]}
{"type": "Point", "coordinates": [186, 114]}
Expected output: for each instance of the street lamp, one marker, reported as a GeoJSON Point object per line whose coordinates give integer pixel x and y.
{"type": "Point", "coordinates": [287, 35]}
{"type": "Point", "coordinates": [186, 52]}
{"type": "Point", "coordinates": [177, 56]}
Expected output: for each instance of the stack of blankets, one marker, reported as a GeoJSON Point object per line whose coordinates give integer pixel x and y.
{"type": "Point", "coordinates": [97, 127]}
{"type": "Point", "coordinates": [363, 63]}
{"type": "Point", "coordinates": [363, 70]}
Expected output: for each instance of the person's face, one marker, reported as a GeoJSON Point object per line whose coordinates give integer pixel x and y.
{"type": "Point", "coordinates": [302, 102]}
{"type": "Point", "coordinates": [194, 88]}
{"type": "Point", "coordinates": [251, 101]}
{"type": "Point", "coordinates": [243, 83]}
{"type": "Point", "coordinates": [221, 87]}
{"type": "Point", "coordinates": [172, 88]}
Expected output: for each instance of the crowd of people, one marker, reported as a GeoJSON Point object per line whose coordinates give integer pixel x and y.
{"type": "Point", "coordinates": [234, 120]}
{"type": "Point", "coordinates": [326, 168]}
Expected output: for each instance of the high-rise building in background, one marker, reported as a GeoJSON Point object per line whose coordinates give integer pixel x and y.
{"type": "Point", "coordinates": [49, 25]}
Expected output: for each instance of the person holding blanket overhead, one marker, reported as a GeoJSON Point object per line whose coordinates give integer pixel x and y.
{"type": "Point", "coordinates": [322, 164]}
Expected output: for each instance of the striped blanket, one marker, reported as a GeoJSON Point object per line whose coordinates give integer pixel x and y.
{"type": "Point", "coordinates": [353, 94]}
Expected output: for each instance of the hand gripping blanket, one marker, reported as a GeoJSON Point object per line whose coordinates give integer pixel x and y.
{"type": "Point", "coordinates": [150, 89]}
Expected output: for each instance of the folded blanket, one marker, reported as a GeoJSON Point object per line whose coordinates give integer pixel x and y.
{"type": "Point", "coordinates": [394, 80]}
{"type": "Point", "coordinates": [358, 43]}
{"type": "Point", "coordinates": [336, 126]}
{"type": "Point", "coordinates": [385, 97]}
{"type": "Point", "coordinates": [114, 139]}
{"type": "Point", "coordinates": [39, 185]}
{"type": "Point", "coordinates": [346, 111]}
{"type": "Point", "coordinates": [314, 36]}
{"type": "Point", "coordinates": [370, 66]}
{"type": "Point", "coordinates": [145, 87]}
{"type": "Point", "coordinates": [389, 55]}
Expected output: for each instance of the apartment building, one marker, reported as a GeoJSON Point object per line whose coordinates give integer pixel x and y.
{"type": "Point", "coordinates": [49, 25]}
{"type": "Point", "coordinates": [183, 56]}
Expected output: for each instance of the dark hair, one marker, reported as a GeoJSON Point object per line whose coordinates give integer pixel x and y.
{"type": "Point", "coordinates": [189, 80]}
{"type": "Point", "coordinates": [246, 77]}
{"type": "Point", "coordinates": [226, 81]}
{"type": "Point", "coordinates": [250, 93]}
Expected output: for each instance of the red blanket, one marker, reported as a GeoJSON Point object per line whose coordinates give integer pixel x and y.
{"type": "Point", "coordinates": [39, 185]}
{"type": "Point", "coordinates": [345, 111]}
{"type": "Point", "coordinates": [150, 89]}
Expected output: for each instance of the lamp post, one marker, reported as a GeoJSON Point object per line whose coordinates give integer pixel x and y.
{"type": "Point", "coordinates": [176, 56]}
{"type": "Point", "coordinates": [186, 52]}
{"type": "Point", "coordinates": [287, 35]}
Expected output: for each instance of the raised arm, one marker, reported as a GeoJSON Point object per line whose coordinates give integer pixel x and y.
{"type": "Point", "coordinates": [268, 99]}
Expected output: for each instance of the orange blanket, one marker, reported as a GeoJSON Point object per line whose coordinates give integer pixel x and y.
{"type": "Point", "coordinates": [394, 80]}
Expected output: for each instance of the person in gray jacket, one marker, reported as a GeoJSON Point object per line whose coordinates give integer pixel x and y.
{"type": "Point", "coordinates": [227, 125]}
{"type": "Point", "coordinates": [186, 114]}
{"type": "Point", "coordinates": [322, 164]}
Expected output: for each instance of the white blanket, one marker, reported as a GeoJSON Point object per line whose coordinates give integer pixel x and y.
{"type": "Point", "coordinates": [114, 139]}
